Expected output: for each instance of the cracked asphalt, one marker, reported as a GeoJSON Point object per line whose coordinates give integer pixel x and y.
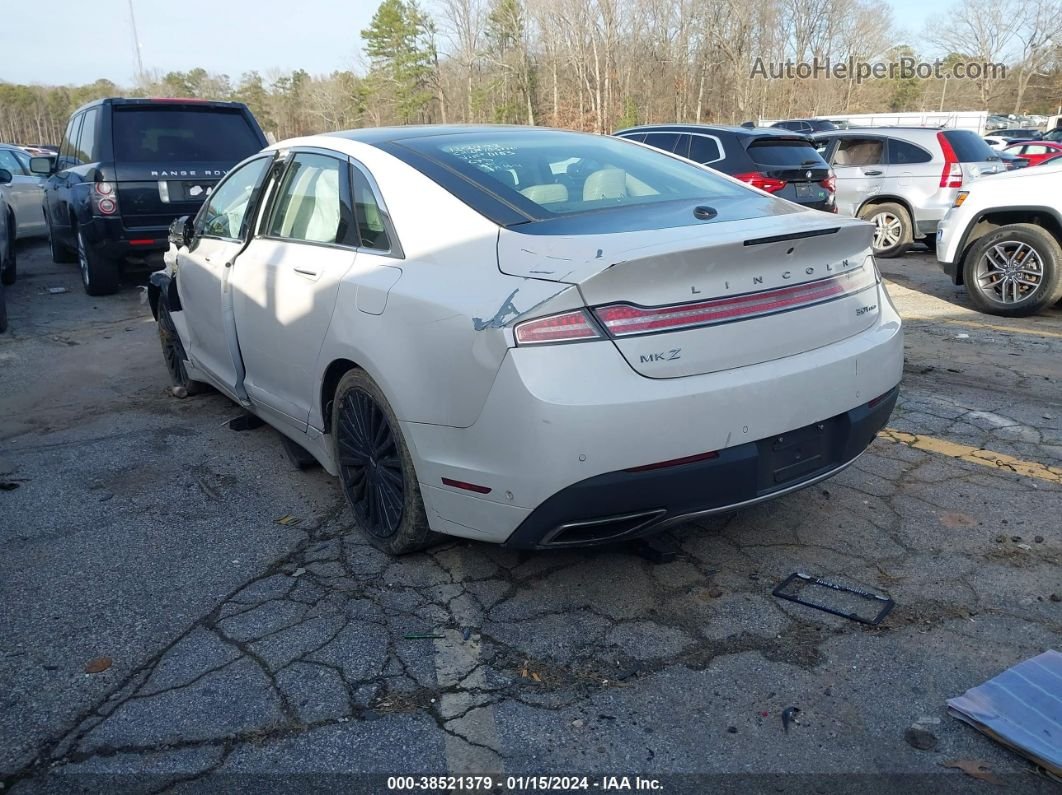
{"type": "Point", "coordinates": [247, 653]}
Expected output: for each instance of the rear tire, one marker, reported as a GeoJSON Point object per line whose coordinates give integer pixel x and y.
{"type": "Point", "coordinates": [9, 271]}
{"type": "Point", "coordinates": [376, 469]}
{"type": "Point", "coordinates": [892, 228]}
{"type": "Point", "coordinates": [1015, 271]}
{"type": "Point", "coordinates": [174, 355]}
{"type": "Point", "coordinates": [3, 309]}
{"type": "Point", "coordinates": [99, 274]}
{"type": "Point", "coordinates": [61, 255]}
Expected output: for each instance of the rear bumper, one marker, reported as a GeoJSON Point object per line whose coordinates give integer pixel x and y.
{"type": "Point", "coordinates": [561, 417]}
{"type": "Point", "coordinates": [111, 238]}
{"type": "Point", "coordinates": [624, 505]}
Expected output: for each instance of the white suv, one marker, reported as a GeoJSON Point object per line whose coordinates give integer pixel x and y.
{"type": "Point", "coordinates": [1002, 240]}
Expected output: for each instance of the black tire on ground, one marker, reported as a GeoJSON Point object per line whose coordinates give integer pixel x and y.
{"type": "Point", "coordinates": [61, 255]}
{"type": "Point", "coordinates": [892, 228]}
{"type": "Point", "coordinates": [100, 274]}
{"type": "Point", "coordinates": [173, 354]}
{"type": "Point", "coordinates": [3, 309]}
{"type": "Point", "coordinates": [1014, 271]}
{"type": "Point", "coordinates": [9, 271]}
{"type": "Point", "coordinates": [375, 467]}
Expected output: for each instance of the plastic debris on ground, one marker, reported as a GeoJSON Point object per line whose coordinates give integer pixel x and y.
{"type": "Point", "coordinates": [1021, 708]}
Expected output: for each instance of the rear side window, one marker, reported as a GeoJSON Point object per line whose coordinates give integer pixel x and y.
{"type": "Point", "coordinates": [86, 145]}
{"type": "Point", "coordinates": [704, 149]}
{"type": "Point", "coordinates": [859, 152]}
{"type": "Point", "coordinates": [904, 153]}
{"type": "Point", "coordinates": [148, 133]}
{"type": "Point", "coordinates": [768, 152]}
{"type": "Point", "coordinates": [968, 146]}
{"type": "Point", "coordinates": [314, 204]}
{"type": "Point", "coordinates": [68, 148]}
{"type": "Point", "coordinates": [665, 141]}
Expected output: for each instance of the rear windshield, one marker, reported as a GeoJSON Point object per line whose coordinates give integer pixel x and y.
{"type": "Point", "coordinates": [149, 134]}
{"type": "Point", "coordinates": [969, 147]}
{"type": "Point", "coordinates": [548, 173]}
{"type": "Point", "coordinates": [767, 152]}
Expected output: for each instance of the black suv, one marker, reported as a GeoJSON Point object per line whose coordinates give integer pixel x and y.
{"type": "Point", "coordinates": [779, 162]}
{"type": "Point", "coordinates": [127, 168]}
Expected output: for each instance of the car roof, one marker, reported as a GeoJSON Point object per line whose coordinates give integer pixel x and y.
{"type": "Point", "coordinates": [709, 128]}
{"type": "Point", "coordinates": [121, 101]}
{"type": "Point", "coordinates": [381, 135]}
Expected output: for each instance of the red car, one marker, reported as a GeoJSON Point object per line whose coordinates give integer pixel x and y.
{"type": "Point", "coordinates": [1034, 151]}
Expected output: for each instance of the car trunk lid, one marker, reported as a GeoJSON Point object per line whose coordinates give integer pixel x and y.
{"type": "Point", "coordinates": [713, 297]}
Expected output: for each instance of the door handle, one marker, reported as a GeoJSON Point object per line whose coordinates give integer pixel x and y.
{"type": "Point", "coordinates": [871, 173]}
{"type": "Point", "coordinates": [306, 271]}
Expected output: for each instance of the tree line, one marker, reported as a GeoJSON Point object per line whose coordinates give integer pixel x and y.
{"type": "Point", "coordinates": [598, 65]}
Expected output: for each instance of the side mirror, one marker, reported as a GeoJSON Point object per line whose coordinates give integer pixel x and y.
{"type": "Point", "coordinates": [42, 166]}
{"type": "Point", "coordinates": [5, 176]}
{"type": "Point", "coordinates": [181, 231]}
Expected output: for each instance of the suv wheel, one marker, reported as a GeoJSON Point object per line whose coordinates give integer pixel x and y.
{"type": "Point", "coordinates": [98, 273]}
{"type": "Point", "coordinates": [1014, 271]}
{"type": "Point", "coordinates": [892, 228]}
{"type": "Point", "coordinates": [375, 467]}
{"type": "Point", "coordinates": [9, 269]}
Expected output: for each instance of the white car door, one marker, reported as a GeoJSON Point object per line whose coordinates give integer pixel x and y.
{"type": "Point", "coordinates": [204, 269]}
{"type": "Point", "coordinates": [25, 194]}
{"type": "Point", "coordinates": [285, 284]}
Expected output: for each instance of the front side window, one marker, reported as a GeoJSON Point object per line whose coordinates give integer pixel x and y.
{"type": "Point", "coordinates": [313, 204]}
{"type": "Point", "coordinates": [10, 161]}
{"type": "Point", "coordinates": [598, 172]}
{"type": "Point", "coordinates": [225, 213]}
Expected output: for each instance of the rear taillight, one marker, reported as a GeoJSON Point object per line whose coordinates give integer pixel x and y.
{"type": "Point", "coordinates": [104, 198]}
{"type": "Point", "coordinates": [951, 176]}
{"type": "Point", "coordinates": [565, 327]}
{"type": "Point", "coordinates": [760, 180]}
{"type": "Point", "coordinates": [830, 183]}
{"type": "Point", "coordinates": [622, 320]}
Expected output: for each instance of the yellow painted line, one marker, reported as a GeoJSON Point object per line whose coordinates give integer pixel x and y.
{"type": "Point", "coordinates": [1033, 332]}
{"type": "Point", "coordinates": [974, 455]}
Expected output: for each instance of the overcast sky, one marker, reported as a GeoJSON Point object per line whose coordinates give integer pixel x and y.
{"type": "Point", "coordinates": [78, 41]}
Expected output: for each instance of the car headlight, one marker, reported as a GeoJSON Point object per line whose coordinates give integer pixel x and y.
{"type": "Point", "coordinates": [961, 198]}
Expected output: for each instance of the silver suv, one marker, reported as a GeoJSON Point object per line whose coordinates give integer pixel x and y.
{"type": "Point", "coordinates": [903, 179]}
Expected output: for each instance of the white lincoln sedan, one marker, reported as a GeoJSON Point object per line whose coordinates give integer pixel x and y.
{"type": "Point", "coordinates": [529, 336]}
